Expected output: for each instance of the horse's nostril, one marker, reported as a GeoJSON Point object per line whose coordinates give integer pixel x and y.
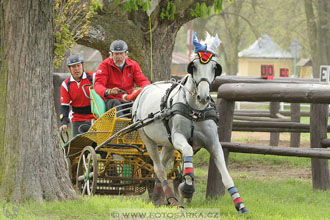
{"type": "Point", "coordinates": [208, 98]}
{"type": "Point", "coordinates": [198, 97]}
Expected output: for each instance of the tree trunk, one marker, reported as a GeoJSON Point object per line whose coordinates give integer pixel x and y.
{"type": "Point", "coordinates": [32, 162]}
{"type": "Point", "coordinates": [134, 28]}
{"type": "Point", "coordinates": [161, 52]}
{"type": "Point", "coordinates": [324, 30]}
{"type": "Point", "coordinates": [3, 87]}
{"type": "Point", "coordinates": [233, 31]}
{"type": "Point", "coordinates": [229, 25]}
{"type": "Point", "coordinates": [318, 33]}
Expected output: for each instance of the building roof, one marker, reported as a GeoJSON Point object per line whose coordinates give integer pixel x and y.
{"type": "Point", "coordinates": [304, 62]}
{"type": "Point", "coordinates": [264, 47]}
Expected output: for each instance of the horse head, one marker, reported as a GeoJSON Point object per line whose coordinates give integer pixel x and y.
{"type": "Point", "coordinates": [204, 67]}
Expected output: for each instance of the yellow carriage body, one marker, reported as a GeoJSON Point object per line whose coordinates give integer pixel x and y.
{"type": "Point", "coordinates": [124, 165]}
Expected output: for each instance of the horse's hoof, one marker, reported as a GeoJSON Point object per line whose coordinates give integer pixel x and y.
{"type": "Point", "coordinates": [187, 191]}
{"type": "Point", "coordinates": [188, 200]}
{"type": "Point", "coordinates": [159, 203]}
{"type": "Point", "coordinates": [158, 197]}
{"type": "Point", "coordinates": [174, 202]}
{"type": "Point", "coordinates": [243, 210]}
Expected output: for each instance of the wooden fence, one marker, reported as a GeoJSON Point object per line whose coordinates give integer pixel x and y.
{"type": "Point", "coordinates": [231, 89]}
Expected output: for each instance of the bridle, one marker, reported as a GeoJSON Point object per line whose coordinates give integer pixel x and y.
{"type": "Point", "coordinates": [204, 57]}
{"type": "Point", "coordinates": [196, 83]}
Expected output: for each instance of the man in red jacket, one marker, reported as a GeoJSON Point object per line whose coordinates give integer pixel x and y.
{"type": "Point", "coordinates": [72, 94]}
{"type": "Point", "coordinates": [116, 75]}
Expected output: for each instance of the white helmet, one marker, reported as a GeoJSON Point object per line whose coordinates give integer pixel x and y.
{"type": "Point", "coordinates": [118, 46]}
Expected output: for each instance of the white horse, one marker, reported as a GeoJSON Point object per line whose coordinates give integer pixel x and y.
{"type": "Point", "coordinates": [185, 121]}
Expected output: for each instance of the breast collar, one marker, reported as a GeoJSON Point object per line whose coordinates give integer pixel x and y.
{"type": "Point", "coordinates": [194, 115]}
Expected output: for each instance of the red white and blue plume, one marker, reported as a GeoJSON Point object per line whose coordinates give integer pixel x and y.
{"type": "Point", "coordinates": [210, 44]}
{"type": "Point", "coordinates": [198, 46]}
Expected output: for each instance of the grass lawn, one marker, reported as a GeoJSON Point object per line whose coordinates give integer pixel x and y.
{"type": "Point", "coordinates": [283, 197]}
{"type": "Point", "coordinates": [272, 187]}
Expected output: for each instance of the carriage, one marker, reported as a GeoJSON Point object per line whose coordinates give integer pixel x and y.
{"type": "Point", "coordinates": [111, 159]}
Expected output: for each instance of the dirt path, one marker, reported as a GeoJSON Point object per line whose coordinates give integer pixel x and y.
{"type": "Point", "coordinates": [262, 138]}
{"type": "Point", "coordinates": [269, 173]}
{"type": "Point", "coordinates": [263, 171]}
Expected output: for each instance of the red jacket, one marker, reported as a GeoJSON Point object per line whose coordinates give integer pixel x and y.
{"type": "Point", "coordinates": [109, 76]}
{"type": "Point", "coordinates": [75, 97]}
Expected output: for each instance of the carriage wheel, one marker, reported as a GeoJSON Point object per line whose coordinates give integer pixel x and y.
{"type": "Point", "coordinates": [87, 172]}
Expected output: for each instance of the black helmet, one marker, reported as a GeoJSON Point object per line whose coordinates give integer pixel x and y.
{"type": "Point", "coordinates": [74, 59]}
{"type": "Point", "coordinates": [118, 46]}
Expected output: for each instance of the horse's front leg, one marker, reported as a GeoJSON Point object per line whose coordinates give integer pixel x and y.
{"type": "Point", "coordinates": [217, 152]}
{"type": "Point", "coordinates": [187, 187]}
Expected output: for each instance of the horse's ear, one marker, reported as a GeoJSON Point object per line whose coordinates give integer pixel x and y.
{"type": "Point", "coordinates": [190, 68]}
{"type": "Point", "coordinates": [218, 70]}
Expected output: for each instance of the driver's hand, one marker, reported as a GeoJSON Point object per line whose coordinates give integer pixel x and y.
{"type": "Point", "coordinates": [132, 96]}
{"type": "Point", "coordinates": [115, 91]}
{"type": "Point", "coordinates": [63, 128]}
{"type": "Point", "coordinates": [137, 89]}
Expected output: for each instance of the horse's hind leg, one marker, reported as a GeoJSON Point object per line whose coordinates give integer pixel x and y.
{"type": "Point", "coordinates": [218, 155]}
{"type": "Point", "coordinates": [168, 161]}
{"type": "Point", "coordinates": [158, 194]}
{"type": "Point", "coordinates": [160, 172]}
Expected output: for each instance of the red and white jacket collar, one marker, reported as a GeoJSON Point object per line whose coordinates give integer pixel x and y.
{"type": "Point", "coordinates": [84, 76]}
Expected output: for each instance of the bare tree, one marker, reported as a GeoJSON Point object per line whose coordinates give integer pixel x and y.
{"type": "Point", "coordinates": [31, 160]}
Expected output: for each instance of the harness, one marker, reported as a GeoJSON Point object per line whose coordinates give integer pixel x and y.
{"type": "Point", "coordinates": [168, 109]}
{"type": "Point", "coordinates": [185, 110]}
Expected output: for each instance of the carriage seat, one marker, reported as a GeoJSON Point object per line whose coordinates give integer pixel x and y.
{"type": "Point", "coordinates": [98, 106]}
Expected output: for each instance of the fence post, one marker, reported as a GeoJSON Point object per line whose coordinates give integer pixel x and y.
{"type": "Point", "coordinates": [225, 109]}
{"type": "Point", "coordinates": [295, 117]}
{"type": "Point", "coordinates": [274, 109]}
{"type": "Point", "coordinates": [318, 130]}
